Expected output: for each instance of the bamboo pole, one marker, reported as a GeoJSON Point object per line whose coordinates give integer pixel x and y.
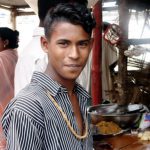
{"type": "Point", "coordinates": [122, 60]}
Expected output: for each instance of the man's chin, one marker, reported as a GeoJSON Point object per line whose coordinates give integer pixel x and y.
{"type": "Point", "coordinates": [73, 77]}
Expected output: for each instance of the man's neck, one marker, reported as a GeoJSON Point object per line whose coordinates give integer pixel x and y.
{"type": "Point", "coordinates": [68, 84]}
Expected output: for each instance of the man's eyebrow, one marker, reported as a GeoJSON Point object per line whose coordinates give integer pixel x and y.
{"type": "Point", "coordinates": [65, 40]}
{"type": "Point", "coordinates": [80, 41]}
{"type": "Point", "coordinates": [86, 40]}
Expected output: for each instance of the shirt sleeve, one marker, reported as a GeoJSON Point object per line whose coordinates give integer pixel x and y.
{"type": "Point", "coordinates": [22, 132]}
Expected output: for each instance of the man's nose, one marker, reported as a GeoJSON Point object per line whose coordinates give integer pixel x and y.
{"type": "Point", "coordinates": [74, 52]}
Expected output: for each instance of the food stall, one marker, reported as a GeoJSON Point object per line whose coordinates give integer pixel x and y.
{"type": "Point", "coordinates": [116, 129]}
{"type": "Point", "coordinates": [126, 138]}
{"type": "Point", "coordinates": [130, 87]}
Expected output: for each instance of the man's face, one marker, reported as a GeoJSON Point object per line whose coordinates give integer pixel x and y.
{"type": "Point", "coordinates": [68, 49]}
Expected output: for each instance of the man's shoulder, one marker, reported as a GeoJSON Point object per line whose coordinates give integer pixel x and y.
{"type": "Point", "coordinates": [27, 101]}
{"type": "Point", "coordinates": [29, 94]}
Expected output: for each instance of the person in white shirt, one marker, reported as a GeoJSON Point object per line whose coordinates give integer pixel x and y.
{"type": "Point", "coordinates": [33, 57]}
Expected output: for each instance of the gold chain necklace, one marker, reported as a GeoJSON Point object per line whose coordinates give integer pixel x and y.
{"type": "Point", "coordinates": [67, 121]}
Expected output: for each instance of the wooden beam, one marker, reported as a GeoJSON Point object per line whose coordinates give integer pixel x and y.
{"type": "Point", "coordinates": [104, 1]}
{"type": "Point", "coordinates": [110, 8]}
{"type": "Point", "coordinates": [25, 13]}
{"type": "Point", "coordinates": [4, 7]}
{"type": "Point", "coordinates": [138, 41]}
{"type": "Point", "coordinates": [22, 6]}
{"type": "Point", "coordinates": [9, 7]}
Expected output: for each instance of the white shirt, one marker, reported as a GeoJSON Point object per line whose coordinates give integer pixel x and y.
{"type": "Point", "coordinates": [33, 58]}
{"type": "Point", "coordinates": [84, 78]}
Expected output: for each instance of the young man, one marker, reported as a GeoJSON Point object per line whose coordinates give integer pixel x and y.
{"type": "Point", "coordinates": [33, 58]}
{"type": "Point", "coordinates": [50, 113]}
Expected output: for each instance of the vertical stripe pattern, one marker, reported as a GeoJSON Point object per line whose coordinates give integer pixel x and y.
{"type": "Point", "coordinates": [32, 122]}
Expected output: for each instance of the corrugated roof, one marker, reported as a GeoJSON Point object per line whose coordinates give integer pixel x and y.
{"type": "Point", "coordinates": [23, 2]}
{"type": "Point", "coordinates": [13, 3]}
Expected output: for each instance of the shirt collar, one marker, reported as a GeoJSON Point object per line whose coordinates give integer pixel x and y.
{"type": "Point", "coordinates": [54, 87]}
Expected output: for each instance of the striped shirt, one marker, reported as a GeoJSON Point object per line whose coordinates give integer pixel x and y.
{"type": "Point", "coordinates": [32, 122]}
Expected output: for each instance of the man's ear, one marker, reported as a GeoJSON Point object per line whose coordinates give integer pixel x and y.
{"type": "Point", "coordinates": [6, 43]}
{"type": "Point", "coordinates": [44, 44]}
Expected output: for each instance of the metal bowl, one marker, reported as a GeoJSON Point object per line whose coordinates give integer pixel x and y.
{"type": "Point", "coordinates": [111, 112]}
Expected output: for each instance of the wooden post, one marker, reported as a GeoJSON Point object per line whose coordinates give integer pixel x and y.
{"type": "Point", "coordinates": [96, 56]}
{"type": "Point", "coordinates": [13, 18]}
{"type": "Point", "coordinates": [122, 60]}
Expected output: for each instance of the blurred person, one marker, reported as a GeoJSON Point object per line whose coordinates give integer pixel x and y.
{"type": "Point", "coordinates": [51, 112]}
{"type": "Point", "coordinates": [32, 57]}
{"type": "Point", "coordinates": [109, 56]}
{"type": "Point", "coordinates": [8, 60]}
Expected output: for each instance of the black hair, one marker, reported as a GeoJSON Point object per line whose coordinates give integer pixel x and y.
{"type": "Point", "coordinates": [45, 5]}
{"type": "Point", "coordinates": [105, 25]}
{"type": "Point", "coordinates": [11, 36]}
{"type": "Point", "coordinates": [73, 13]}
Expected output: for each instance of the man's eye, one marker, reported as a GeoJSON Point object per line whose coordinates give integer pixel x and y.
{"type": "Point", "coordinates": [83, 44]}
{"type": "Point", "coordinates": [63, 44]}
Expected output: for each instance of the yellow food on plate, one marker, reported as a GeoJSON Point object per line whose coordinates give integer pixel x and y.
{"type": "Point", "coordinates": [105, 127]}
{"type": "Point", "coordinates": [145, 136]}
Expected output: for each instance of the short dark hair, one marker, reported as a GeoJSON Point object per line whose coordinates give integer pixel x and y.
{"type": "Point", "coordinates": [45, 5]}
{"type": "Point", "coordinates": [11, 36]}
{"type": "Point", "coordinates": [73, 13]}
{"type": "Point", "coordinates": [105, 25]}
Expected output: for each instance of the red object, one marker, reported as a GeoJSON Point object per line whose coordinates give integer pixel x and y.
{"type": "Point", "coordinates": [97, 56]}
{"type": "Point", "coordinates": [113, 34]}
